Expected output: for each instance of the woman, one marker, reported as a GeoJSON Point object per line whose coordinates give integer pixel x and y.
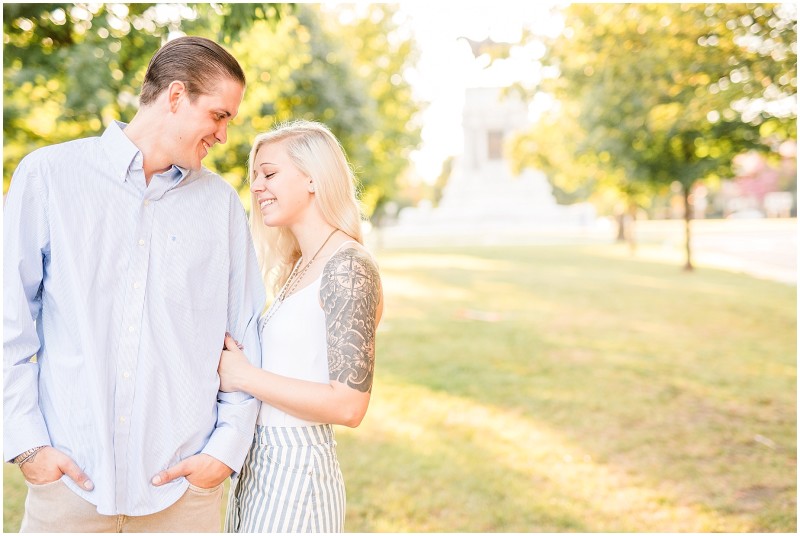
{"type": "Point", "coordinates": [318, 337]}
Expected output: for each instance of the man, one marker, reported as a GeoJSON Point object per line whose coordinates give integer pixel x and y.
{"type": "Point", "coordinates": [125, 263]}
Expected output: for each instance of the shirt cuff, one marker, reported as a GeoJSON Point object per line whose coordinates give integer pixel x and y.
{"type": "Point", "coordinates": [26, 436]}
{"type": "Point", "coordinates": [230, 447]}
{"type": "Point", "coordinates": [235, 397]}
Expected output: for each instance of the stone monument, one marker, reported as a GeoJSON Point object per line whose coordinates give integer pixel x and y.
{"type": "Point", "coordinates": [482, 190]}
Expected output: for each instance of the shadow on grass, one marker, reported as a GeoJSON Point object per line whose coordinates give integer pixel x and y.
{"type": "Point", "coordinates": [686, 381]}
{"type": "Point", "coordinates": [395, 487]}
{"type": "Point", "coordinates": [456, 465]}
{"type": "Point", "coordinates": [601, 394]}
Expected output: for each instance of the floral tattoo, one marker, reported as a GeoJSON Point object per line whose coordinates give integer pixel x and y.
{"type": "Point", "coordinates": [350, 292]}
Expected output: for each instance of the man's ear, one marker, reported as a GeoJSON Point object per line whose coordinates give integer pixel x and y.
{"type": "Point", "coordinates": [175, 92]}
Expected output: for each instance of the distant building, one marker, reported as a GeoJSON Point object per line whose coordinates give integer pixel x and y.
{"type": "Point", "coordinates": [482, 189]}
{"type": "Point", "coordinates": [761, 189]}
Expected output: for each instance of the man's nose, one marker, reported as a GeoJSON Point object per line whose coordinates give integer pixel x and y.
{"type": "Point", "coordinates": [222, 134]}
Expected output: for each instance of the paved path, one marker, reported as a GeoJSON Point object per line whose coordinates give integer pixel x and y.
{"type": "Point", "coordinates": [765, 248]}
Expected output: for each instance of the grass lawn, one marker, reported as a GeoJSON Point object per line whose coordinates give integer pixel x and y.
{"type": "Point", "coordinates": [570, 388]}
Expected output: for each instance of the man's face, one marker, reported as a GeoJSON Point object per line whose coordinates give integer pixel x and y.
{"type": "Point", "coordinates": [202, 123]}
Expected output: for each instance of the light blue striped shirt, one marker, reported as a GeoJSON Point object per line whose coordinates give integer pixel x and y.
{"type": "Point", "coordinates": [124, 292]}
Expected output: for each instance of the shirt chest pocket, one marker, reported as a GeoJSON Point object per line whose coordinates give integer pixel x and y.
{"type": "Point", "coordinates": [194, 272]}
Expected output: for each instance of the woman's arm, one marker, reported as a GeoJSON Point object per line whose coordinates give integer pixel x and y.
{"type": "Point", "coordinates": [351, 297]}
{"type": "Point", "coordinates": [333, 402]}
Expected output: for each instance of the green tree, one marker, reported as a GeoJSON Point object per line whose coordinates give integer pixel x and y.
{"type": "Point", "coordinates": [442, 179]}
{"type": "Point", "coordinates": [66, 68]}
{"type": "Point", "coordinates": [290, 78]}
{"type": "Point", "coordinates": [663, 93]}
{"type": "Point", "coordinates": [70, 69]}
{"type": "Point", "coordinates": [557, 145]}
{"type": "Point", "coordinates": [346, 74]}
{"type": "Point", "coordinates": [381, 51]}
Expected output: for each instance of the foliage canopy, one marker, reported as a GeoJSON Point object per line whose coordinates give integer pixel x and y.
{"type": "Point", "coordinates": [71, 69]}
{"type": "Point", "coordinates": [654, 94]}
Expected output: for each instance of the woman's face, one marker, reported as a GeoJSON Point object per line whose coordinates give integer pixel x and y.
{"type": "Point", "coordinates": [284, 193]}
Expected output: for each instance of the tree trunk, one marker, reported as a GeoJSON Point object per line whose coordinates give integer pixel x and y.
{"type": "Point", "coordinates": [687, 217]}
{"type": "Point", "coordinates": [620, 217]}
{"type": "Point", "coordinates": [630, 226]}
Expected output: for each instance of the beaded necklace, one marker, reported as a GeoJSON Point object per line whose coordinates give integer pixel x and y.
{"type": "Point", "coordinates": [295, 276]}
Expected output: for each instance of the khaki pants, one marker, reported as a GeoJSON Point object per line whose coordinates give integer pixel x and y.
{"type": "Point", "coordinates": [54, 507]}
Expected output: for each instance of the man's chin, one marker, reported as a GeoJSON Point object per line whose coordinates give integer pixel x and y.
{"type": "Point", "coordinates": [197, 164]}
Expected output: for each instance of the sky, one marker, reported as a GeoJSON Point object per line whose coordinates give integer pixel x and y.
{"type": "Point", "coordinates": [447, 67]}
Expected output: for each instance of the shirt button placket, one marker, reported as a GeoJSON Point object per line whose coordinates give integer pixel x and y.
{"type": "Point", "coordinates": [130, 343]}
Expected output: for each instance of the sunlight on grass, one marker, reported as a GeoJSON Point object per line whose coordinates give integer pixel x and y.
{"type": "Point", "coordinates": [418, 261]}
{"type": "Point", "coordinates": [14, 491]}
{"type": "Point", "coordinates": [413, 288]}
{"type": "Point", "coordinates": [530, 455]}
{"type": "Point", "coordinates": [577, 392]}
{"type": "Point", "coordinates": [570, 389]}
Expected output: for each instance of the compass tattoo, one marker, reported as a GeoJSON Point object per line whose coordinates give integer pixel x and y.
{"type": "Point", "coordinates": [350, 292]}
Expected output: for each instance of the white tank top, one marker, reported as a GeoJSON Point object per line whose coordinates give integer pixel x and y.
{"type": "Point", "coordinates": [294, 344]}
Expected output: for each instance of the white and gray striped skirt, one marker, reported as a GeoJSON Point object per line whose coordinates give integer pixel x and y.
{"type": "Point", "coordinates": [290, 482]}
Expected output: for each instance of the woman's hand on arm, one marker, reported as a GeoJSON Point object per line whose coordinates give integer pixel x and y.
{"type": "Point", "coordinates": [233, 366]}
{"type": "Point", "coordinates": [351, 299]}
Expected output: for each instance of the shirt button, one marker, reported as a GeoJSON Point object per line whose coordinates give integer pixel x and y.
{"type": "Point", "coordinates": [126, 374]}
{"type": "Point", "coordinates": [136, 285]}
{"type": "Point", "coordinates": [122, 419]}
{"type": "Point", "coordinates": [147, 202]}
{"type": "Point", "coordinates": [131, 329]}
{"type": "Point", "coordinates": [141, 241]}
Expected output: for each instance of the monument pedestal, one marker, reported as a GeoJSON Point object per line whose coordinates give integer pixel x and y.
{"type": "Point", "coordinates": [482, 192]}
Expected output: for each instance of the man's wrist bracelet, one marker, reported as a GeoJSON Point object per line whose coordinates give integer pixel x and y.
{"type": "Point", "coordinates": [27, 456]}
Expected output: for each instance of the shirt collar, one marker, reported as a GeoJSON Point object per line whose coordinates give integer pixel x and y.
{"type": "Point", "coordinates": [180, 172]}
{"type": "Point", "coordinates": [125, 154]}
{"type": "Point", "coordinates": [120, 148]}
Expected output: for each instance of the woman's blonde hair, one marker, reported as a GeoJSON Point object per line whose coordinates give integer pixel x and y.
{"type": "Point", "coordinates": [318, 154]}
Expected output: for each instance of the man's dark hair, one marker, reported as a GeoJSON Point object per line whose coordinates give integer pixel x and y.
{"type": "Point", "coordinates": [196, 61]}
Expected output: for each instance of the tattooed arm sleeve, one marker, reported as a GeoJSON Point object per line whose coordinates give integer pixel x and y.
{"type": "Point", "coordinates": [350, 293]}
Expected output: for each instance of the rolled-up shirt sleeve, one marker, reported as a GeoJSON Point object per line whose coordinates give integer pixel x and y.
{"type": "Point", "coordinates": [25, 251]}
{"type": "Point", "coordinates": [237, 412]}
